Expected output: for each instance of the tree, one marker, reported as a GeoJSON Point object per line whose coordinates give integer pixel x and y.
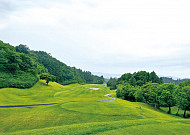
{"type": "Point", "coordinates": [129, 92]}
{"type": "Point", "coordinates": [47, 77]}
{"type": "Point", "coordinates": [154, 78]}
{"type": "Point", "coordinates": [22, 49]}
{"type": "Point", "coordinates": [119, 92]}
{"type": "Point", "coordinates": [139, 95]}
{"type": "Point", "coordinates": [185, 83]}
{"type": "Point", "coordinates": [132, 81]}
{"type": "Point", "coordinates": [141, 77]}
{"type": "Point", "coordinates": [125, 78]}
{"type": "Point", "coordinates": [167, 98]}
{"type": "Point", "coordinates": [112, 83]}
{"type": "Point", "coordinates": [183, 98]}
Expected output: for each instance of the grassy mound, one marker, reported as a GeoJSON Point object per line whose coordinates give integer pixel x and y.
{"type": "Point", "coordinates": [79, 111]}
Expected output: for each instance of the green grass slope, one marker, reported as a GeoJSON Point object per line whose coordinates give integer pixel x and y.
{"type": "Point", "coordinates": [79, 111]}
{"type": "Point", "coordinates": [127, 127]}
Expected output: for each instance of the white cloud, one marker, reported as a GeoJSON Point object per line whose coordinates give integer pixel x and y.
{"type": "Point", "coordinates": [88, 33]}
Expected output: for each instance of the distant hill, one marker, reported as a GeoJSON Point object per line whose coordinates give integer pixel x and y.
{"type": "Point", "coordinates": [171, 80]}
{"type": "Point", "coordinates": [20, 67]}
{"type": "Point", "coordinates": [107, 75]}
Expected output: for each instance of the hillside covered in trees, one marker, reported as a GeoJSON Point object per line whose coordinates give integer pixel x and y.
{"type": "Point", "coordinates": [170, 80]}
{"type": "Point", "coordinates": [21, 67]}
{"type": "Point", "coordinates": [147, 87]}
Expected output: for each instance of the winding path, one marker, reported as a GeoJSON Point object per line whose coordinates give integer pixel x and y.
{"type": "Point", "coordinates": [28, 106]}
{"type": "Point", "coordinates": [107, 95]}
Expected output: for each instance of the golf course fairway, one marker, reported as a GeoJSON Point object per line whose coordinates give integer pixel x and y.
{"type": "Point", "coordinates": [79, 110]}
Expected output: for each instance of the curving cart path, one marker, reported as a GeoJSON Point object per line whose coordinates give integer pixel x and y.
{"type": "Point", "coordinates": [28, 106]}
{"type": "Point", "coordinates": [107, 95]}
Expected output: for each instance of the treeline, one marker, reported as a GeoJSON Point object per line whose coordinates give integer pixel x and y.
{"type": "Point", "coordinates": [170, 80]}
{"type": "Point", "coordinates": [135, 79]}
{"type": "Point", "coordinates": [151, 90]}
{"type": "Point", "coordinates": [21, 67]}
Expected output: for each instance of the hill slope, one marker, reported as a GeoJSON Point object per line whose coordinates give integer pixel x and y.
{"type": "Point", "coordinates": [16, 69]}
{"type": "Point", "coordinates": [170, 80]}
{"type": "Point", "coordinates": [79, 111]}
{"type": "Point", "coordinates": [20, 68]}
{"type": "Point", "coordinates": [65, 74]}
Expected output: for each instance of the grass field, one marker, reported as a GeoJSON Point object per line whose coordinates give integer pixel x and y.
{"type": "Point", "coordinates": [80, 112]}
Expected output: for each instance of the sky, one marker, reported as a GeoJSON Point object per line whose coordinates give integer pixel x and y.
{"type": "Point", "coordinates": [108, 36]}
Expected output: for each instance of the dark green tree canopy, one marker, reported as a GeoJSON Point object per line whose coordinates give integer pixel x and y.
{"type": "Point", "coordinates": [22, 49]}
{"type": "Point", "coordinates": [65, 74]}
{"type": "Point", "coordinates": [47, 77]}
{"type": "Point", "coordinates": [139, 78]}
{"type": "Point", "coordinates": [185, 83]}
{"type": "Point", "coordinates": [16, 69]}
{"type": "Point", "coordinates": [183, 98]}
{"type": "Point", "coordinates": [112, 83]}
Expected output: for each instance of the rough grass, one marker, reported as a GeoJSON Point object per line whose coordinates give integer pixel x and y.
{"type": "Point", "coordinates": [79, 111]}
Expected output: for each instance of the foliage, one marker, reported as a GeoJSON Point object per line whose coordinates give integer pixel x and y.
{"type": "Point", "coordinates": [185, 83]}
{"type": "Point", "coordinates": [139, 79]}
{"type": "Point", "coordinates": [119, 92]}
{"type": "Point", "coordinates": [22, 49]}
{"type": "Point", "coordinates": [165, 95]}
{"type": "Point", "coordinates": [170, 80]}
{"type": "Point", "coordinates": [154, 78]}
{"type": "Point", "coordinates": [65, 74]}
{"type": "Point", "coordinates": [47, 77]}
{"type": "Point", "coordinates": [19, 79]}
{"type": "Point", "coordinates": [88, 77]}
{"type": "Point", "coordinates": [167, 98]}
{"type": "Point", "coordinates": [183, 98]}
{"type": "Point", "coordinates": [151, 93]}
{"type": "Point", "coordinates": [21, 62]}
{"type": "Point", "coordinates": [112, 83]}
{"type": "Point", "coordinates": [141, 86]}
{"type": "Point", "coordinates": [17, 69]}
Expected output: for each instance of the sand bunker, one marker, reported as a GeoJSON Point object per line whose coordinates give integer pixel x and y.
{"type": "Point", "coordinates": [94, 88]}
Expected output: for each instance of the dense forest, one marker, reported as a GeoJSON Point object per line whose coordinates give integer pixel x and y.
{"type": "Point", "coordinates": [65, 74]}
{"type": "Point", "coordinates": [21, 67]}
{"type": "Point", "coordinates": [135, 79]}
{"type": "Point", "coordinates": [149, 88]}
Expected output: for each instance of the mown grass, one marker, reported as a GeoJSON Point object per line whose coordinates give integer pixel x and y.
{"type": "Point", "coordinates": [79, 111]}
{"type": "Point", "coordinates": [174, 111]}
{"type": "Point", "coordinates": [144, 126]}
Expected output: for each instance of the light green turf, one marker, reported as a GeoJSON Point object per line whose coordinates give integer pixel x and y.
{"type": "Point", "coordinates": [127, 127]}
{"type": "Point", "coordinates": [79, 111]}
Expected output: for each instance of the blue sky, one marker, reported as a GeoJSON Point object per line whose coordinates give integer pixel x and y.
{"type": "Point", "coordinates": [104, 35]}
